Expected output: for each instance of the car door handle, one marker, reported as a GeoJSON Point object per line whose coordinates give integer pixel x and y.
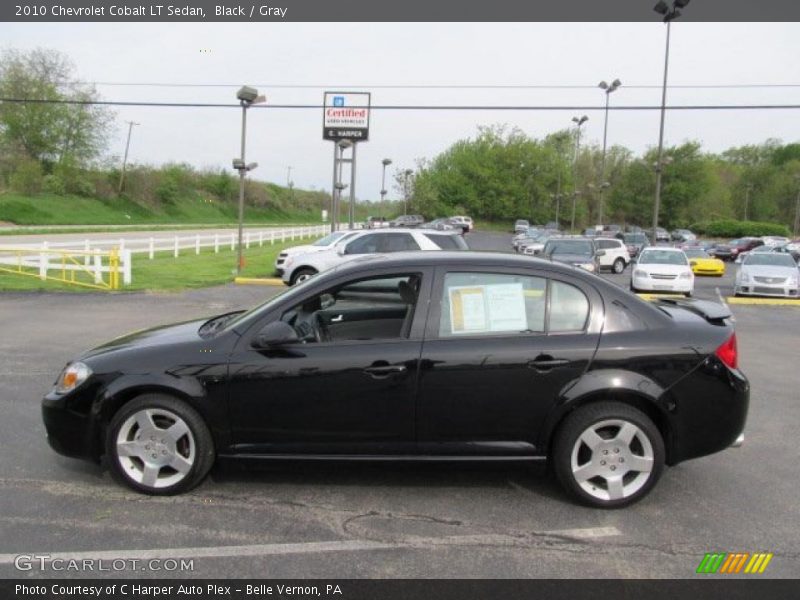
{"type": "Point", "coordinates": [545, 363]}
{"type": "Point", "coordinates": [337, 319]}
{"type": "Point", "coordinates": [381, 371]}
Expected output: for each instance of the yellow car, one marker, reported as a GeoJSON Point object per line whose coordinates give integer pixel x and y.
{"type": "Point", "coordinates": [703, 264]}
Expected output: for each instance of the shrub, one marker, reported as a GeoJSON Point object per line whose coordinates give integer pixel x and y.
{"type": "Point", "coordinates": [54, 184]}
{"type": "Point", "coordinates": [28, 178]}
{"type": "Point", "coordinates": [733, 229]}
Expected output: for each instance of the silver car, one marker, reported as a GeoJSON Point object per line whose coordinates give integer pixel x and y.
{"type": "Point", "coordinates": [768, 274]}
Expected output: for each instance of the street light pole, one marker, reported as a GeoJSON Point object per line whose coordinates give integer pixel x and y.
{"type": "Point", "coordinates": [125, 160]}
{"type": "Point", "coordinates": [385, 162]}
{"type": "Point", "coordinates": [578, 122]}
{"type": "Point", "coordinates": [406, 176]}
{"type": "Point", "coordinates": [669, 15]}
{"type": "Point", "coordinates": [747, 191]}
{"type": "Point", "coordinates": [609, 89]}
{"type": "Point", "coordinates": [797, 209]}
{"type": "Point", "coordinates": [247, 96]}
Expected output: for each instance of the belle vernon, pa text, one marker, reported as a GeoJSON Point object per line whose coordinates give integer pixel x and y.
{"type": "Point", "coordinates": [152, 10]}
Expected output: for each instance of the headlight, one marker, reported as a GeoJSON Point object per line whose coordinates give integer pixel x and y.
{"type": "Point", "coordinates": [640, 273]}
{"type": "Point", "coordinates": [685, 275]}
{"type": "Point", "coordinates": [71, 377]}
{"type": "Point", "coordinates": [288, 262]}
{"type": "Point", "coordinates": [793, 280]}
{"type": "Point", "coordinates": [588, 266]}
{"type": "Point", "coordinates": [744, 277]}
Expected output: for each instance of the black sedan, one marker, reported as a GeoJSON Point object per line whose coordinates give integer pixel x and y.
{"type": "Point", "coordinates": [417, 357]}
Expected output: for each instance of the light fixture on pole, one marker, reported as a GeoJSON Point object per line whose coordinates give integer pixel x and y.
{"type": "Point", "coordinates": [575, 193]}
{"type": "Point", "coordinates": [125, 160]}
{"type": "Point", "coordinates": [608, 89]}
{"type": "Point", "coordinates": [669, 15]}
{"type": "Point", "coordinates": [247, 96]}
{"type": "Point", "coordinates": [385, 162]}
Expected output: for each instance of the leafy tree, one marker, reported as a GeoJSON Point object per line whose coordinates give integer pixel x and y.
{"type": "Point", "coordinates": [49, 132]}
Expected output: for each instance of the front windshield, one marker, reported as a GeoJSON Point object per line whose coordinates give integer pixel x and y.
{"type": "Point", "coordinates": [582, 247]}
{"type": "Point", "coordinates": [769, 260]}
{"type": "Point", "coordinates": [329, 239]}
{"type": "Point", "coordinates": [662, 257]}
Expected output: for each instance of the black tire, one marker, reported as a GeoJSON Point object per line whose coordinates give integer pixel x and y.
{"type": "Point", "coordinates": [304, 273]}
{"type": "Point", "coordinates": [582, 419]}
{"type": "Point", "coordinates": [688, 294]}
{"type": "Point", "coordinates": [203, 455]}
{"type": "Point", "coordinates": [619, 266]}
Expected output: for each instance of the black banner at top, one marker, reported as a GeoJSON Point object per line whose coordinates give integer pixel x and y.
{"type": "Point", "coordinates": [384, 11]}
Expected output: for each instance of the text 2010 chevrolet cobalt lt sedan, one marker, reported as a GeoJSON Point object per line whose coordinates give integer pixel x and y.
{"type": "Point", "coordinates": [413, 356]}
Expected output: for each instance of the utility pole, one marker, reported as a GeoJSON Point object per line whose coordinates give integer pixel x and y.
{"type": "Point", "coordinates": [125, 160]}
{"type": "Point", "coordinates": [575, 193]}
{"type": "Point", "coordinates": [797, 209]}
{"type": "Point", "coordinates": [747, 191]}
{"type": "Point", "coordinates": [290, 184]}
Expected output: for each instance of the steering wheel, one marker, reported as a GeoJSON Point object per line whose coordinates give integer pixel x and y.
{"type": "Point", "coordinates": [321, 333]}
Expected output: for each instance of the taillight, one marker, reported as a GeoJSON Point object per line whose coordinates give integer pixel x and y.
{"type": "Point", "coordinates": [728, 353]}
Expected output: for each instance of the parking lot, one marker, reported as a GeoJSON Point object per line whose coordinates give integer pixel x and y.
{"type": "Point", "coordinates": [294, 520]}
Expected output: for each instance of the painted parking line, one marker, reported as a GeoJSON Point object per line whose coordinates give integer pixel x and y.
{"type": "Point", "coordinates": [764, 301]}
{"type": "Point", "coordinates": [657, 296]}
{"type": "Point", "coordinates": [258, 281]}
{"type": "Point", "coordinates": [315, 547]}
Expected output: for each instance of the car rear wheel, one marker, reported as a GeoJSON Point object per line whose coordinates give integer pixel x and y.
{"type": "Point", "coordinates": [619, 266]}
{"type": "Point", "coordinates": [302, 275]}
{"type": "Point", "coordinates": [159, 445]}
{"type": "Point", "coordinates": [608, 454]}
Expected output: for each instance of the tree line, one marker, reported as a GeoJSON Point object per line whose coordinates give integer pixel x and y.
{"type": "Point", "coordinates": [503, 174]}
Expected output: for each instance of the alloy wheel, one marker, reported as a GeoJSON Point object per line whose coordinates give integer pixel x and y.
{"type": "Point", "coordinates": [612, 459]}
{"type": "Point", "coordinates": [155, 448]}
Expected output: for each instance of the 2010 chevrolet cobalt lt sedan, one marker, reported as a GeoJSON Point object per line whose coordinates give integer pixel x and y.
{"type": "Point", "coordinates": [413, 356]}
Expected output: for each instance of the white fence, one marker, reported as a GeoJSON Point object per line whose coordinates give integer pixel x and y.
{"type": "Point", "coordinates": [49, 256]}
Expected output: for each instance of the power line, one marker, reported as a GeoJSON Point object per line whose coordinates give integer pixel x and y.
{"type": "Point", "coordinates": [433, 86]}
{"type": "Point", "coordinates": [408, 106]}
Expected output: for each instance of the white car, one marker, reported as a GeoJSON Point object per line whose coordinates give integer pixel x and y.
{"type": "Point", "coordinates": [464, 222]}
{"type": "Point", "coordinates": [299, 268]}
{"type": "Point", "coordinates": [768, 274]}
{"type": "Point", "coordinates": [322, 244]}
{"type": "Point", "coordinates": [775, 240]}
{"type": "Point", "coordinates": [661, 269]}
{"type": "Point", "coordinates": [616, 256]}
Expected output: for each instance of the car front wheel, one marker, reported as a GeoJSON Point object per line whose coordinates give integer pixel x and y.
{"type": "Point", "coordinates": [302, 275]}
{"type": "Point", "coordinates": [159, 445]}
{"type": "Point", "coordinates": [608, 454]}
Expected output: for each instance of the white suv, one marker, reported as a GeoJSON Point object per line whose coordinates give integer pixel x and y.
{"type": "Point", "coordinates": [616, 256]}
{"type": "Point", "coordinates": [329, 241]}
{"type": "Point", "coordinates": [297, 269]}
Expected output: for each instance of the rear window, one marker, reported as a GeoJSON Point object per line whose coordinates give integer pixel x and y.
{"type": "Point", "coordinates": [448, 242]}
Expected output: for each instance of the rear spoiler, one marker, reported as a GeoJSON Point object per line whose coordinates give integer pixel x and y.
{"type": "Point", "coordinates": [713, 312]}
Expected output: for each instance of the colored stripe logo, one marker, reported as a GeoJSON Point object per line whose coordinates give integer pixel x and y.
{"type": "Point", "coordinates": [734, 562]}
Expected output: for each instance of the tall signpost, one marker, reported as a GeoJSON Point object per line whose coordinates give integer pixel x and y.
{"type": "Point", "coordinates": [345, 122]}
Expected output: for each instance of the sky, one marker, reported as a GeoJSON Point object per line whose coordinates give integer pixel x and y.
{"type": "Point", "coordinates": [364, 56]}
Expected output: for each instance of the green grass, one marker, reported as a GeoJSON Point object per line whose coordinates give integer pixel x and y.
{"type": "Point", "coordinates": [34, 230]}
{"type": "Point", "coordinates": [165, 272]}
{"type": "Point", "coordinates": [49, 209]}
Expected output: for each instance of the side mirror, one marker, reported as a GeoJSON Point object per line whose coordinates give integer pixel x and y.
{"type": "Point", "coordinates": [600, 253]}
{"type": "Point", "coordinates": [341, 249]}
{"type": "Point", "coordinates": [276, 333]}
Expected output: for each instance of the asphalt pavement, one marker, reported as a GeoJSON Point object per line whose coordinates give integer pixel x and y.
{"type": "Point", "coordinates": [298, 520]}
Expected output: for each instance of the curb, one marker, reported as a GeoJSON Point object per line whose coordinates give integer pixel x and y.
{"type": "Point", "coordinates": [764, 301]}
{"type": "Point", "coordinates": [257, 281]}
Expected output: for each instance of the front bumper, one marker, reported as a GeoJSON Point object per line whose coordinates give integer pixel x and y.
{"type": "Point", "coordinates": [69, 432]}
{"type": "Point", "coordinates": [648, 284]}
{"type": "Point", "coordinates": [765, 289]}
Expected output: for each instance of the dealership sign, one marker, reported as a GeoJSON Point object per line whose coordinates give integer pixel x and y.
{"type": "Point", "coordinates": [346, 116]}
